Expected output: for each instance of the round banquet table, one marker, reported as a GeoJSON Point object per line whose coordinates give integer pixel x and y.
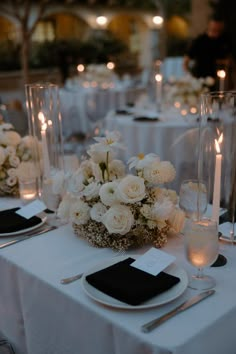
{"type": "Point", "coordinates": [174, 140]}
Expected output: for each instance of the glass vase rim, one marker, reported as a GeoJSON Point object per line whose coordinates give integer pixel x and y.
{"type": "Point", "coordinates": [219, 93]}
{"type": "Point", "coordinates": [42, 85]}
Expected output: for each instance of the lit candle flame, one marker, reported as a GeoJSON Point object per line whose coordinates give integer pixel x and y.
{"type": "Point", "coordinates": [218, 142]}
{"type": "Point", "coordinates": [221, 74]}
{"type": "Point", "coordinates": [158, 77]}
{"type": "Point", "coordinates": [43, 121]}
{"type": "Point", "coordinates": [110, 65]}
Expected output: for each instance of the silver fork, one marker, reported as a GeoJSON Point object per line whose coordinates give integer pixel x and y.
{"type": "Point", "coordinates": [71, 279]}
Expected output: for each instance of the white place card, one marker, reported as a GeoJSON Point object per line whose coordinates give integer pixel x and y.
{"type": "Point", "coordinates": [32, 209]}
{"type": "Point", "coordinates": [226, 228]}
{"type": "Point", "coordinates": [153, 261]}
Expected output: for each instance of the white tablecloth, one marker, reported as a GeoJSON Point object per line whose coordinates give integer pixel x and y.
{"type": "Point", "coordinates": [41, 316]}
{"type": "Point", "coordinates": [174, 140]}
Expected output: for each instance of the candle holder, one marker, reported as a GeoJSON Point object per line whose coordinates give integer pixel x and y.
{"type": "Point", "coordinates": [217, 158]}
{"type": "Point", "coordinates": [44, 121]}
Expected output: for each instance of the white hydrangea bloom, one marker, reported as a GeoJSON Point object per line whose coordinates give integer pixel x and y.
{"type": "Point", "coordinates": [159, 172]}
{"type": "Point", "coordinates": [91, 190]}
{"type": "Point", "coordinates": [97, 211]}
{"type": "Point", "coordinates": [63, 210]}
{"type": "Point", "coordinates": [162, 210]}
{"type": "Point", "coordinates": [2, 155]}
{"type": "Point", "coordinates": [79, 212]}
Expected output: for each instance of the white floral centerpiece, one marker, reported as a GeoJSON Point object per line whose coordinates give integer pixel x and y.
{"type": "Point", "coordinates": [186, 91]}
{"type": "Point", "coordinates": [113, 209]}
{"type": "Point", "coordinates": [15, 159]}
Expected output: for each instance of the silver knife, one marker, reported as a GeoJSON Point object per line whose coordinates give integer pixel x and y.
{"type": "Point", "coordinates": [27, 236]}
{"type": "Point", "coordinates": [184, 306]}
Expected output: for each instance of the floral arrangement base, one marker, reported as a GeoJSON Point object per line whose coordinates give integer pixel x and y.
{"type": "Point", "coordinates": [98, 236]}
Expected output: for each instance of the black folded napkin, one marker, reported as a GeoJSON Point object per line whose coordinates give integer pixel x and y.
{"type": "Point", "coordinates": [146, 119]}
{"type": "Point", "coordinates": [123, 112]}
{"type": "Point", "coordinates": [130, 285]}
{"type": "Point", "coordinates": [12, 222]}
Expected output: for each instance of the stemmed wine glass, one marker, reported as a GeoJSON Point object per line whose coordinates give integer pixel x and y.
{"type": "Point", "coordinates": [201, 249]}
{"type": "Point", "coordinates": [193, 198]}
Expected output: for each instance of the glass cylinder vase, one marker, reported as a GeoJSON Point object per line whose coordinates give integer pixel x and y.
{"type": "Point", "coordinates": [45, 130]}
{"type": "Point", "coordinates": [217, 157]}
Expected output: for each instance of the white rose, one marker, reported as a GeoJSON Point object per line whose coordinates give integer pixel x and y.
{"type": "Point", "coordinates": [91, 190]}
{"type": "Point", "coordinates": [2, 155]}
{"type": "Point", "coordinates": [6, 126]}
{"type": "Point", "coordinates": [12, 172]}
{"type": "Point", "coordinates": [10, 150]}
{"type": "Point", "coordinates": [118, 219]}
{"type": "Point", "coordinates": [131, 189]}
{"type": "Point", "coordinates": [14, 161]}
{"type": "Point", "coordinates": [107, 193]}
{"type": "Point", "coordinates": [79, 212]}
{"type": "Point", "coordinates": [11, 181]}
{"type": "Point", "coordinates": [11, 138]}
{"type": "Point", "coordinates": [97, 212]}
{"type": "Point", "coordinates": [116, 169]}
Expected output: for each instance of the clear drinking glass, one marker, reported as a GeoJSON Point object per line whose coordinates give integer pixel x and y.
{"type": "Point", "coordinates": [201, 249]}
{"type": "Point", "coordinates": [193, 198]}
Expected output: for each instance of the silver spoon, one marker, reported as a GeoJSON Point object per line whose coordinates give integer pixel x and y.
{"type": "Point", "coordinates": [71, 279]}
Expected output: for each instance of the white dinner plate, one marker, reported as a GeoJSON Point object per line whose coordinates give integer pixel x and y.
{"type": "Point", "coordinates": [158, 300]}
{"type": "Point", "coordinates": [28, 229]}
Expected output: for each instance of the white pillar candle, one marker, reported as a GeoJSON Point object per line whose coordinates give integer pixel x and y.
{"type": "Point", "coordinates": [221, 75]}
{"type": "Point", "coordinates": [217, 182]}
{"type": "Point", "coordinates": [158, 79]}
{"type": "Point", "coordinates": [46, 162]}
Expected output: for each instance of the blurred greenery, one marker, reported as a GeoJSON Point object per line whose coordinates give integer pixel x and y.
{"type": "Point", "coordinates": [99, 48]}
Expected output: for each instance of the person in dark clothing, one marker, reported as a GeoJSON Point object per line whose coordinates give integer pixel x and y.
{"type": "Point", "coordinates": [209, 52]}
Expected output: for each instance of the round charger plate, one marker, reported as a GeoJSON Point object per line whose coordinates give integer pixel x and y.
{"type": "Point", "coordinates": [158, 300]}
{"type": "Point", "coordinates": [19, 232]}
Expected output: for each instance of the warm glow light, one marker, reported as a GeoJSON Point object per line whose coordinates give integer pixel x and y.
{"type": "Point", "coordinates": [41, 117]}
{"type": "Point", "coordinates": [50, 122]}
{"type": "Point", "coordinates": [184, 112]}
{"type": "Point", "coordinates": [177, 104]}
{"type": "Point", "coordinates": [158, 77]}
{"type": "Point", "coordinates": [218, 142]}
{"type": "Point", "coordinates": [80, 68]}
{"type": "Point", "coordinates": [221, 74]}
{"type": "Point", "coordinates": [157, 20]}
{"type": "Point", "coordinates": [193, 110]}
{"type": "Point", "coordinates": [101, 20]}
{"type": "Point", "coordinates": [110, 65]}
